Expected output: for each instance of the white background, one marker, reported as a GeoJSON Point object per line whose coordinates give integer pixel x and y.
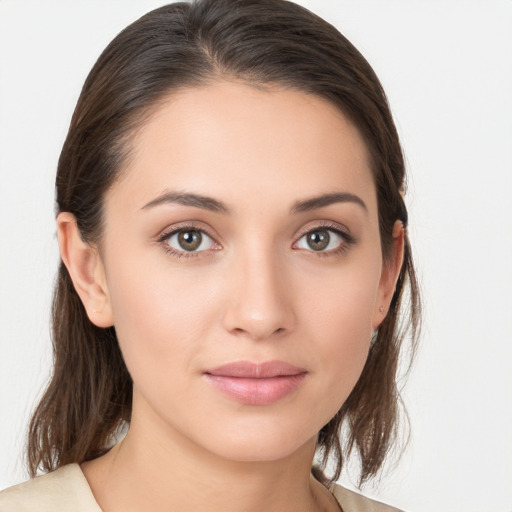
{"type": "Point", "coordinates": [447, 68]}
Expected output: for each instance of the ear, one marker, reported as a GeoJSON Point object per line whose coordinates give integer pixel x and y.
{"type": "Point", "coordinates": [85, 269]}
{"type": "Point", "coordinates": [390, 271]}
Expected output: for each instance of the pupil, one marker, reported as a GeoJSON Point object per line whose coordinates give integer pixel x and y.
{"type": "Point", "coordinates": [318, 240]}
{"type": "Point", "coordinates": [190, 240]}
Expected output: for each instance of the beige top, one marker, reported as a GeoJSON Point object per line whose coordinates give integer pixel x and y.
{"type": "Point", "coordinates": [67, 490]}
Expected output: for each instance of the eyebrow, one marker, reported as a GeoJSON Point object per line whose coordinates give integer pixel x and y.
{"type": "Point", "coordinates": [188, 199]}
{"type": "Point", "coordinates": [324, 200]}
{"type": "Point", "coordinates": [214, 205]}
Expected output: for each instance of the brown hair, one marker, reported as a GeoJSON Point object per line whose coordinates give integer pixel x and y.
{"type": "Point", "coordinates": [186, 45]}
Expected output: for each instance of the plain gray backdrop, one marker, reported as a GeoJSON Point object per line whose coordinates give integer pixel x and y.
{"type": "Point", "coordinates": [447, 68]}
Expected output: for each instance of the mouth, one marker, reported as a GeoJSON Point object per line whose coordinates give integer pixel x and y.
{"type": "Point", "coordinates": [256, 383]}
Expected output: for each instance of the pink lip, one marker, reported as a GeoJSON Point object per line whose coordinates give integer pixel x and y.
{"type": "Point", "coordinates": [256, 383]}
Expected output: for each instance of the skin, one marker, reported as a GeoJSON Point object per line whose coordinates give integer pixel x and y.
{"type": "Point", "coordinates": [255, 291]}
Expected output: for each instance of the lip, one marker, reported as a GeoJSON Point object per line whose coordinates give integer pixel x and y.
{"type": "Point", "coordinates": [256, 383]}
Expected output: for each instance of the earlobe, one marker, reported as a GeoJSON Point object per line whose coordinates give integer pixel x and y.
{"type": "Point", "coordinates": [390, 273]}
{"type": "Point", "coordinates": [86, 270]}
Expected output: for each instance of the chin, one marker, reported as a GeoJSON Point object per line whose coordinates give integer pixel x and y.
{"type": "Point", "coordinates": [264, 444]}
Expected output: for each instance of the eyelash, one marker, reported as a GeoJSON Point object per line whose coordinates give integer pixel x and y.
{"type": "Point", "coordinates": [348, 240]}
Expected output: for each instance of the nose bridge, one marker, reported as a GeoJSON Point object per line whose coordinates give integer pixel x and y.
{"type": "Point", "coordinates": [260, 304]}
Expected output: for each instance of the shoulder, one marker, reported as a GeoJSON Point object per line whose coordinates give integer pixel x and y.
{"type": "Point", "coordinates": [353, 502]}
{"type": "Point", "coordinates": [62, 490]}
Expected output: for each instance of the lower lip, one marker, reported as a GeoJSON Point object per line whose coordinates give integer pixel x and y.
{"type": "Point", "coordinates": [256, 391]}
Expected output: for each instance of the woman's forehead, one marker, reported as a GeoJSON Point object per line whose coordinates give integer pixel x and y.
{"type": "Point", "coordinates": [236, 141]}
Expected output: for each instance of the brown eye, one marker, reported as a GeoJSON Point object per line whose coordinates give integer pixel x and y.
{"type": "Point", "coordinates": [189, 240]}
{"type": "Point", "coordinates": [323, 240]}
{"type": "Point", "coordinates": [318, 240]}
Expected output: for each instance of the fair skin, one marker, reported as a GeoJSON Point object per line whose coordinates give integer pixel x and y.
{"type": "Point", "coordinates": [254, 288]}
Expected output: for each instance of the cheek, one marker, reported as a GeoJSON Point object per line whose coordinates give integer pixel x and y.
{"type": "Point", "coordinates": [160, 317]}
{"type": "Point", "coordinates": [338, 315]}
{"type": "Point", "coordinates": [340, 301]}
{"type": "Point", "coordinates": [343, 337]}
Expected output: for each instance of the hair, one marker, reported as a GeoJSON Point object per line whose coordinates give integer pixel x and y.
{"type": "Point", "coordinates": [183, 45]}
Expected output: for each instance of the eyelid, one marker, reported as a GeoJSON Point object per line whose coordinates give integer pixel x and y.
{"type": "Point", "coordinates": [189, 224]}
{"type": "Point", "coordinates": [327, 225]}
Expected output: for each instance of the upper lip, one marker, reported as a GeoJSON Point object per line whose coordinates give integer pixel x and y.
{"type": "Point", "coordinates": [250, 370]}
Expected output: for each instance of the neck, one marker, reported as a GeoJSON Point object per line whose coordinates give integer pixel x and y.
{"type": "Point", "coordinates": [154, 469]}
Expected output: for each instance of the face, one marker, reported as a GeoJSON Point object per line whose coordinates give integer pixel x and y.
{"type": "Point", "coordinates": [242, 268]}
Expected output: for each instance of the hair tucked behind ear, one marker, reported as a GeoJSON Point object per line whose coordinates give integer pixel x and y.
{"type": "Point", "coordinates": [187, 45]}
{"type": "Point", "coordinates": [89, 395]}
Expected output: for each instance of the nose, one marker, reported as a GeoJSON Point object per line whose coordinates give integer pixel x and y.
{"type": "Point", "coordinates": [260, 303]}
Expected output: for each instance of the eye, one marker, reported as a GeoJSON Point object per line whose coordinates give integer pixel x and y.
{"type": "Point", "coordinates": [190, 240]}
{"type": "Point", "coordinates": [322, 240]}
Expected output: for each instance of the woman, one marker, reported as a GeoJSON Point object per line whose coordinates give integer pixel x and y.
{"type": "Point", "coordinates": [234, 252]}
